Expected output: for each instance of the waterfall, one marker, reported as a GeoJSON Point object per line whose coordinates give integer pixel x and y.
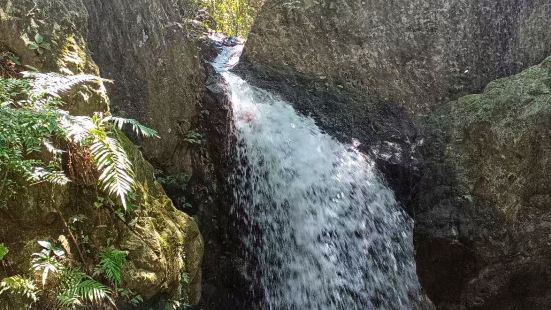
{"type": "Point", "coordinates": [328, 233]}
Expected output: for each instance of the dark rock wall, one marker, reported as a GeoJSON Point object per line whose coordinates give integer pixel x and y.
{"type": "Point", "coordinates": [227, 268]}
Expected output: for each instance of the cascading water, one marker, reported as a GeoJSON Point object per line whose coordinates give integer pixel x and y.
{"type": "Point", "coordinates": [328, 232]}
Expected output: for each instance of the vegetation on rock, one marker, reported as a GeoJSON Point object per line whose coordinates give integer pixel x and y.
{"type": "Point", "coordinates": [31, 119]}
{"type": "Point", "coordinates": [231, 17]}
{"type": "Point", "coordinates": [42, 144]}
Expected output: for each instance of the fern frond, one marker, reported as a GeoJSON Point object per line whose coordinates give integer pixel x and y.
{"type": "Point", "coordinates": [3, 251]}
{"type": "Point", "coordinates": [51, 148]}
{"type": "Point", "coordinates": [117, 176]}
{"type": "Point", "coordinates": [112, 261]}
{"type": "Point", "coordinates": [56, 85]}
{"type": "Point", "coordinates": [56, 177]}
{"type": "Point", "coordinates": [137, 127]}
{"type": "Point", "coordinates": [77, 128]}
{"type": "Point", "coordinates": [79, 288]}
{"type": "Point", "coordinates": [19, 286]}
{"type": "Point", "coordinates": [41, 174]}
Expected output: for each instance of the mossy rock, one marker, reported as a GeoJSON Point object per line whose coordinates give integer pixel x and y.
{"type": "Point", "coordinates": [61, 23]}
{"type": "Point", "coordinates": [485, 196]}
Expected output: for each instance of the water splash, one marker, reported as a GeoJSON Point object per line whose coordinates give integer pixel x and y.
{"type": "Point", "coordinates": [329, 233]}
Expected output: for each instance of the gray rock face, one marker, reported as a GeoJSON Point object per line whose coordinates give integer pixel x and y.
{"type": "Point", "coordinates": [414, 52]}
{"type": "Point", "coordinates": [151, 49]}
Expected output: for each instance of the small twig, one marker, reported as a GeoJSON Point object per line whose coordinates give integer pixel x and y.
{"type": "Point", "coordinates": [73, 238]}
{"type": "Point", "coordinates": [4, 182]}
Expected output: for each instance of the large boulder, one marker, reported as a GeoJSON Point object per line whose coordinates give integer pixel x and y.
{"type": "Point", "coordinates": [414, 52]}
{"type": "Point", "coordinates": [63, 26]}
{"type": "Point", "coordinates": [483, 222]}
{"type": "Point", "coordinates": [365, 69]}
{"type": "Point", "coordinates": [152, 51]}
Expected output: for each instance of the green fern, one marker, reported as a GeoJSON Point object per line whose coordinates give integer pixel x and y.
{"type": "Point", "coordinates": [41, 174]}
{"type": "Point", "coordinates": [117, 176]}
{"type": "Point", "coordinates": [77, 289]}
{"type": "Point", "coordinates": [19, 286]}
{"type": "Point", "coordinates": [56, 85]}
{"type": "Point", "coordinates": [138, 128]}
{"type": "Point", "coordinates": [30, 118]}
{"type": "Point", "coordinates": [3, 251]}
{"type": "Point", "coordinates": [112, 261]}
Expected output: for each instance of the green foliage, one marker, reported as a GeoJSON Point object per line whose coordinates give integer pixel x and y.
{"type": "Point", "coordinates": [77, 289]}
{"type": "Point", "coordinates": [47, 260]}
{"type": "Point", "coordinates": [193, 138]}
{"type": "Point", "coordinates": [73, 287]}
{"type": "Point", "coordinates": [30, 118]}
{"type": "Point", "coordinates": [9, 64]}
{"type": "Point", "coordinates": [117, 176]}
{"type": "Point", "coordinates": [183, 302]}
{"type": "Point", "coordinates": [111, 263]}
{"type": "Point", "coordinates": [39, 45]}
{"type": "Point", "coordinates": [27, 124]}
{"type": "Point", "coordinates": [3, 251]}
{"type": "Point", "coordinates": [179, 180]}
{"type": "Point", "coordinates": [20, 287]}
{"type": "Point", "coordinates": [138, 128]}
{"type": "Point", "coordinates": [32, 123]}
{"type": "Point", "coordinates": [133, 298]}
{"type": "Point", "coordinates": [231, 17]}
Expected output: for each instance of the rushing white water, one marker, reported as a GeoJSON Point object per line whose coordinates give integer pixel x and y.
{"type": "Point", "coordinates": [328, 232]}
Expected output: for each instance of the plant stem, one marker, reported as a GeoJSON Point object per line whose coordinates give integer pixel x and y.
{"type": "Point", "coordinates": [73, 238]}
{"type": "Point", "coordinates": [4, 181]}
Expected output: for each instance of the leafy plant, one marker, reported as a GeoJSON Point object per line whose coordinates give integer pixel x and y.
{"type": "Point", "coordinates": [133, 298]}
{"type": "Point", "coordinates": [193, 138]}
{"type": "Point", "coordinates": [111, 263]}
{"type": "Point", "coordinates": [179, 180]}
{"type": "Point", "coordinates": [138, 128]}
{"type": "Point", "coordinates": [9, 64]}
{"type": "Point", "coordinates": [32, 123]}
{"type": "Point", "coordinates": [39, 45]}
{"type": "Point", "coordinates": [24, 132]}
{"type": "Point", "coordinates": [47, 260]}
{"type": "Point", "coordinates": [77, 289]}
{"type": "Point", "coordinates": [3, 251]}
{"type": "Point", "coordinates": [31, 118]}
{"type": "Point", "coordinates": [183, 301]}
{"type": "Point", "coordinates": [18, 285]}
{"type": "Point", "coordinates": [231, 17]}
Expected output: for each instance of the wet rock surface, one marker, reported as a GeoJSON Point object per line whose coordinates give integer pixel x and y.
{"type": "Point", "coordinates": [227, 269]}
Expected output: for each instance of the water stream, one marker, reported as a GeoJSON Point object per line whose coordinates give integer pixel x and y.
{"type": "Point", "coordinates": [330, 233]}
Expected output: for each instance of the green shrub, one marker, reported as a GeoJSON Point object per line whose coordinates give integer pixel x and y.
{"type": "Point", "coordinates": [31, 119]}
{"type": "Point", "coordinates": [231, 17]}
